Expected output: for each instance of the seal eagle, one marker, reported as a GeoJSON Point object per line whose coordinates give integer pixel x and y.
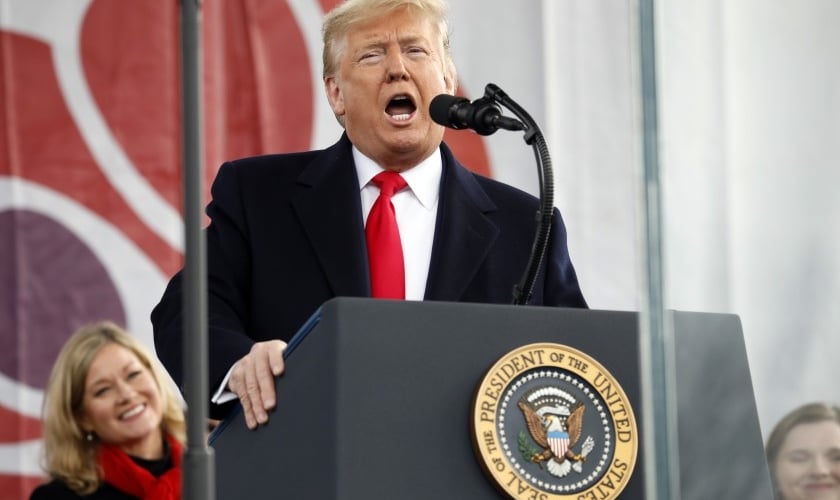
{"type": "Point", "coordinates": [547, 429]}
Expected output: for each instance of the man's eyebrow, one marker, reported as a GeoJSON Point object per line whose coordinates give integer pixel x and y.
{"type": "Point", "coordinates": [378, 42]}
{"type": "Point", "coordinates": [373, 42]}
{"type": "Point", "coordinates": [410, 37]}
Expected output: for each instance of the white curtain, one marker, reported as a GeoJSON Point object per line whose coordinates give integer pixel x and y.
{"type": "Point", "coordinates": [749, 103]}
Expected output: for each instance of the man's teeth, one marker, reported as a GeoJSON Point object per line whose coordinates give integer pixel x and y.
{"type": "Point", "coordinates": [134, 411]}
{"type": "Point", "coordinates": [402, 117]}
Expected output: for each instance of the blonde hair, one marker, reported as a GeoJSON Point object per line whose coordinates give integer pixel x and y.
{"type": "Point", "coordinates": [68, 454]}
{"type": "Point", "coordinates": [806, 414]}
{"type": "Point", "coordinates": [339, 21]}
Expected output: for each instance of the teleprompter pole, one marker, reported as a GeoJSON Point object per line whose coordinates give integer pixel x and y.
{"type": "Point", "coordinates": [198, 474]}
{"type": "Point", "coordinates": [656, 346]}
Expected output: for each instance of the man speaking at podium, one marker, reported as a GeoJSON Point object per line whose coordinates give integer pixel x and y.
{"type": "Point", "coordinates": [387, 211]}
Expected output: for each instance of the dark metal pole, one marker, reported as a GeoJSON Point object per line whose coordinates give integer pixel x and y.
{"type": "Point", "coordinates": [199, 474]}
{"type": "Point", "coordinates": [655, 336]}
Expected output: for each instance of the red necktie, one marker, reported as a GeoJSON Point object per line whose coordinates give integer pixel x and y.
{"type": "Point", "coordinates": [385, 256]}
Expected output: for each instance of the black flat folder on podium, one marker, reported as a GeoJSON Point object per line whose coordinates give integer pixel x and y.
{"type": "Point", "coordinates": [376, 402]}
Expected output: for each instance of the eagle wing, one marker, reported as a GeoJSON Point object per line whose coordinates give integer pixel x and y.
{"type": "Point", "coordinates": [535, 425]}
{"type": "Point", "coordinates": [574, 424]}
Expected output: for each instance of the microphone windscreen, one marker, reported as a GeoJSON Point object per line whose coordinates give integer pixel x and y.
{"type": "Point", "coordinates": [439, 109]}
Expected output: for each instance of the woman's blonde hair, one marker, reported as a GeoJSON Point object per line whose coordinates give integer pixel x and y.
{"type": "Point", "coordinates": [69, 454]}
{"type": "Point", "coordinates": [339, 21]}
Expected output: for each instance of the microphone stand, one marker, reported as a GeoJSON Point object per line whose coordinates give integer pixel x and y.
{"type": "Point", "coordinates": [523, 290]}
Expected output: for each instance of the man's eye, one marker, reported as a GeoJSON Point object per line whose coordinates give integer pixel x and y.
{"type": "Point", "coordinates": [370, 56]}
{"type": "Point", "coordinates": [417, 54]}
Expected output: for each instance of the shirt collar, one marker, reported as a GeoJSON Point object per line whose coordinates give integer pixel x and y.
{"type": "Point", "coordinates": [423, 179]}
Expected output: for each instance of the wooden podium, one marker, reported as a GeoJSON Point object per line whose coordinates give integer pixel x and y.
{"type": "Point", "coordinates": [376, 402]}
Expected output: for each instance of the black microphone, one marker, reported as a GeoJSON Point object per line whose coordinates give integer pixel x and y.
{"type": "Point", "coordinates": [482, 115]}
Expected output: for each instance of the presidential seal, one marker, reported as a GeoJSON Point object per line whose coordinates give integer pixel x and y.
{"type": "Point", "coordinates": [550, 423]}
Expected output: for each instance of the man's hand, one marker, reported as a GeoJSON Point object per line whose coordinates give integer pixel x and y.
{"type": "Point", "coordinates": [252, 379]}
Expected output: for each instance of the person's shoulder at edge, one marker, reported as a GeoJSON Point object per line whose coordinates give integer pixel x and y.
{"type": "Point", "coordinates": [255, 170]}
{"type": "Point", "coordinates": [57, 489]}
{"type": "Point", "coordinates": [54, 489]}
{"type": "Point", "coordinates": [289, 157]}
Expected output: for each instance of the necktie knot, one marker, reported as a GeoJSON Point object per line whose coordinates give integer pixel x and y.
{"type": "Point", "coordinates": [389, 183]}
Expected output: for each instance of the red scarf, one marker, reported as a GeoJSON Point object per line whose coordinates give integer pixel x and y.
{"type": "Point", "coordinates": [122, 472]}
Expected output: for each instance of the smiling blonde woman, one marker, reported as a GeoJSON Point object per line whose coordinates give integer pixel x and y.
{"type": "Point", "coordinates": [113, 427]}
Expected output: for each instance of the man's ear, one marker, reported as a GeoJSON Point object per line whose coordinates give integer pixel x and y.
{"type": "Point", "coordinates": [449, 81]}
{"type": "Point", "coordinates": [335, 96]}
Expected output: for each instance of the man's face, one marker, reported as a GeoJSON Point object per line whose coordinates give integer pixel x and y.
{"type": "Point", "coordinates": [390, 70]}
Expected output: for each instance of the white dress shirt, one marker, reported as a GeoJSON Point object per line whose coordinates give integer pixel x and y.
{"type": "Point", "coordinates": [416, 212]}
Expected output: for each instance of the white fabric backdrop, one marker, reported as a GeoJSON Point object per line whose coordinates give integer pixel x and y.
{"type": "Point", "coordinates": [749, 148]}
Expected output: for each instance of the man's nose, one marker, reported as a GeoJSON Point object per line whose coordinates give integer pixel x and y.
{"type": "Point", "coordinates": [395, 67]}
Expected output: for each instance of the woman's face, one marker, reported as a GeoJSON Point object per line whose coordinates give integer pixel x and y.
{"type": "Point", "coordinates": [808, 465]}
{"type": "Point", "coordinates": [122, 403]}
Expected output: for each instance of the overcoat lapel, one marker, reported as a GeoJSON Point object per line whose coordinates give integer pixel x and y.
{"type": "Point", "coordinates": [329, 210]}
{"type": "Point", "coordinates": [463, 233]}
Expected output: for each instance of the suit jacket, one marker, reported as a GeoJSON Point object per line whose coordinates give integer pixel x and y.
{"type": "Point", "coordinates": [287, 234]}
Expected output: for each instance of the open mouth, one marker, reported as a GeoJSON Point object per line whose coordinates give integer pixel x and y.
{"type": "Point", "coordinates": [401, 107]}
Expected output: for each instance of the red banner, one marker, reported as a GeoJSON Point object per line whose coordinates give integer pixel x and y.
{"type": "Point", "coordinates": [90, 194]}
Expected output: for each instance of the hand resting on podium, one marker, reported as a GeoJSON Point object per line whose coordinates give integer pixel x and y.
{"type": "Point", "coordinates": [252, 380]}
